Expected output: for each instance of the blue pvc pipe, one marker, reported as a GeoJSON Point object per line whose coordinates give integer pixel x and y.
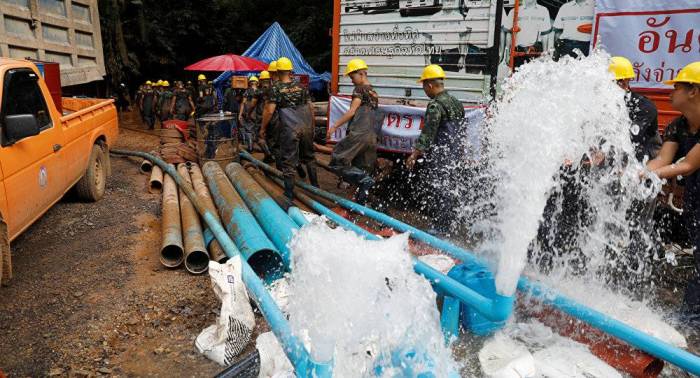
{"type": "Point", "coordinates": [241, 225]}
{"type": "Point", "coordinates": [300, 358]}
{"type": "Point", "coordinates": [634, 337]}
{"type": "Point", "coordinates": [297, 216]}
{"type": "Point", "coordinates": [276, 223]}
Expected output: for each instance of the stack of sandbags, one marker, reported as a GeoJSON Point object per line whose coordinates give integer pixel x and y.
{"type": "Point", "coordinates": [176, 146]}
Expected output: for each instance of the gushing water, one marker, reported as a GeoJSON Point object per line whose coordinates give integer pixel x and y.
{"type": "Point", "coordinates": [558, 121]}
{"type": "Point", "coordinates": [360, 302]}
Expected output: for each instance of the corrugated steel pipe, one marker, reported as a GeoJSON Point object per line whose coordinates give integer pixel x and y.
{"type": "Point", "coordinates": [298, 355]}
{"type": "Point", "coordinates": [241, 225]}
{"type": "Point", "coordinates": [638, 339]}
{"type": "Point", "coordinates": [276, 223]}
{"type": "Point", "coordinates": [196, 255]}
{"type": "Point", "coordinates": [200, 187]}
{"type": "Point", "coordinates": [171, 253]}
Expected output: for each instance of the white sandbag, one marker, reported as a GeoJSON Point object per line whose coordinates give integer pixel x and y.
{"type": "Point", "coordinates": [273, 361]}
{"type": "Point", "coordinates": [501, 357]}
{"type": "Point", "coordinates": [228, 337]}
{"type": "Point", "coordinates": [441, 263]}
{"type": "Point", "coordinates": [279, 290]}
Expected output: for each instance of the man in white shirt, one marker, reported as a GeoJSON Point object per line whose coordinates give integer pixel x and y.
{"type": "Point", "coordinates": [533, 26]}
{"type": "Point", "coordinates": [572, 28]}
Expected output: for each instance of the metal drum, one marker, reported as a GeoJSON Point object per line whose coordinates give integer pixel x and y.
{"type": "Point", "coordinates": [217, 139]}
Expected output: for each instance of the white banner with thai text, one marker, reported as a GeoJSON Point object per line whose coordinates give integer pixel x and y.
{"type": "Point", "coordinates": [659, 37]}
{"type": "Point", "coordinates": [401, 125]}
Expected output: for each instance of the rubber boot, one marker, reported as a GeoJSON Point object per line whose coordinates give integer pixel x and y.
{"type": "Point", "coordinates": [363, 190]}
{"type": "Point", "coordinates": [301, 172]}
{"type": "Point", "coordinates": [289, 188]}
{"type": "Point", "coordinates": [313, 175]}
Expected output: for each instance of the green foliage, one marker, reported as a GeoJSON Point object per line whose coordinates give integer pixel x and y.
{"type": "Point", "coordinates": [155, 39]}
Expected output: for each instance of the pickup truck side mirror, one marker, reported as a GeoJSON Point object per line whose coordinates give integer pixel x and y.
{"type": "Point", "coordinates": [20, 126]}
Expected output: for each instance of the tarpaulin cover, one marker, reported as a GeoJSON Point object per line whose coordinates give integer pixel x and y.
{"type": "Point", "coordinates": [273, 44]}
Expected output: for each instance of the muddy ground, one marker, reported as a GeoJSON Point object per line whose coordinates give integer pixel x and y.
{"type": "Point", "coordinates": [89, 296]}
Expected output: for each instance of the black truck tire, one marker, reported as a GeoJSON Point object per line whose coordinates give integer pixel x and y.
{"type": "Point", "coordinates": [91, 187]}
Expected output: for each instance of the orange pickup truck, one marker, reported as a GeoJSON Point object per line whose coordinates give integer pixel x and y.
{"type": "Point", "coordinates": [43, 153]}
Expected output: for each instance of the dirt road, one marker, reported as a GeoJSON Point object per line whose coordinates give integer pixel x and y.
{"type": "Point", "coordinates": [89, 296]}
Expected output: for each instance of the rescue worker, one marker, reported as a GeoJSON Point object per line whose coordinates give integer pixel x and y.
{"type": "Point", "coordinates": [139, 96]}
{"type": "Point", "coordinates": [438, 143]}
{"type": "Point", "coordinates": [681, 140]}
{"type": "Point", "coordinates": [181, 106]}
{"type": "Point", "coordinates": [271, 137]}
{"type": "Point", "coordinates": [164, 100]}
{"type": "Point", "coordinates": [296, 125]}
{"type": "Point", "coordinates": [255, 107]}
{"type": "Point", "coordinates": [201, 84]}
{"type": "Point", "coordinates": [643, 113]}
{"type": "Point", "coordinates": [148, 106]}
{"type": "Point", "coordinates": [206, 103]}
{"type": "Point", "coordinates": [191, 89]}
{"type": "Point", "coordinates": [353, 158]}
{"type": "Point", "coordinates": [569, 28]}
{"type": "Point", "coordinates": [248, 129]}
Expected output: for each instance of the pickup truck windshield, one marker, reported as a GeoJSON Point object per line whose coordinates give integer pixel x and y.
{"type": "Point", "coordinates": [22, 95]}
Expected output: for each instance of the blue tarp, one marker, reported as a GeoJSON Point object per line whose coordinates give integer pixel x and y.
{"type": "Point", "coordinates": [273, 44]}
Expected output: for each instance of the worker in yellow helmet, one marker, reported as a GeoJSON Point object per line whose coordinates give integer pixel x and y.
{"type": "Point", "coordinates": [181, 105]}
{"type": "Point", "coordinates": [248, 128]}
{"type": "Point", "coordinates": [164, 101]}
{"type": "Point", "coordinates": [272, 69]}
{"type": "Point", "coordinates": [253, 110]}
{"type": "Point", "coordinates": [147, 105]}
{"type": "Point", "coordinates": [643, 113]}
{"type": "Point", "coordinates": [354, 157]}
{"type": "Point", "coordinates": [438, 144]}
{"type": "Point", "coordinates": [681, 140]}
{"type": "Point", "coordinates": [201, 85]}
{"type": "Point", "coordinates": [296, 125]}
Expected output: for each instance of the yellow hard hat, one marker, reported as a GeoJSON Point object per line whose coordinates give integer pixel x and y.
{"type": "Point", "coordinates": [165, 83]}
{"type": "Point", "coordinates": [201, 77]}
{"type": "Point", "coordinates": [253, 78]}
{"type": "Point", "coordinates": [148, 82]}
{"type": "Point", "coordinates": [284, 64]}
{"type": "Point", "coordinates": [355, 65]}
{"type": "Point", "coordinates": [688, 74]}
{"type": "Point", "coordinates": [431, 72]}
{"type": "Point", "coordinates": [621, 67]}
{"type": "Point", "coordinates": [264, 75]}
{"type": "Point", "coordinates": [273, 66]}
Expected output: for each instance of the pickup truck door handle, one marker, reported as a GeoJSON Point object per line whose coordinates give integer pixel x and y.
{"type": "Point", "coordinates": [56, 147]}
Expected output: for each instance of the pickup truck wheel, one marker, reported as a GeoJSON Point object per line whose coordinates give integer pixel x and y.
{"type": "Point", "coordinates": [91, 186]}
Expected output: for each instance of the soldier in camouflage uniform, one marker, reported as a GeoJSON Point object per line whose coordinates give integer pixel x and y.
{"type": "Point", "coordinates": [353, 158]}
{"type": "Point", "coordinates": [296, 126]}
{"type": "Point", "coordinates": [181, 105]}
{"type": "Point", "coordinates": [439, 143]}
{"type": "Point", "coordinates": [148, 106]}
{"type": "Point", "coordinates": [164, 100]}
{"type": "Point", "coordinates": [254, 104]}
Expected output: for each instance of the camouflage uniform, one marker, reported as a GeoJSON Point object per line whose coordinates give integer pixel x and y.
{"type": "Point", "coordinates": [296, 132]}
{"type": "Point", "coordinates": [441, 141]}
{"type": "Point", "coordinates": [272, 136]}
{"type": "Point", "coordinates": [164, 101]}
{"type": "Point", "coordinates": [353, 158]}
{"type": "Point", "coordinates": [182, 104]}
{"type": "Point", "coordinates": [148, 107]}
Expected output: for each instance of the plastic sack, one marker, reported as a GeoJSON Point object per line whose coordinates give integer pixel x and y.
{"type": "Point", "coordinates": [501, 357]}
{"type": "Point", "coordinates": [273, 361]}
{"type": "Point", "coordinates": [229, 336]}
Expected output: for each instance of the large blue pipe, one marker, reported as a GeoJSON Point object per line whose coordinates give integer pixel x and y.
{"type": "Point", "coordinates": [276, 223]}
{"type": "Point", "coordinates": [636, 338]}
{"type": "Point", "coordinates": [240, 223]}
{"type": "Point", "coordinates": [304, 365]}
{"type": "Point", "coordinates": [497, 309]}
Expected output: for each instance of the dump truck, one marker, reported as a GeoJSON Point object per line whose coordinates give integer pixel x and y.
{"type": "Point", "coordinates": [45, 153]}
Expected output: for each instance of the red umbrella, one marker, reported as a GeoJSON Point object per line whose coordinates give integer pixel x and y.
{"type": "Point", "coordinates": [228, 62]}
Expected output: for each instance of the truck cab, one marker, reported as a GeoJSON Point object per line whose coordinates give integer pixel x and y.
{"type": "Point", "coordinates": [44, 153]}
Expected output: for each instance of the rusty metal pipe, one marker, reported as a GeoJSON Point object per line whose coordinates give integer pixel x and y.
{"type": "Point", "coordinates": [196, 255]}
{"type": "Point", "coordinates": [155, 183]}
{"type": "Point", "coordinates": [275, 191]}
{"type": "Point", "coordinates": [146, 166]}
{"type": "Point", "coordinates": [216, 253]}
{"type": "Point", "coordinates": [171, 252]}
{"type": "Point", "coordinates": [240, 223]}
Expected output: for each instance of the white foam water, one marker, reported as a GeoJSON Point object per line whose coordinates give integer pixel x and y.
{"type": "Point", "coordinates": [360, 302]}
{"type": "Point", "coordinates": [553, 114]}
